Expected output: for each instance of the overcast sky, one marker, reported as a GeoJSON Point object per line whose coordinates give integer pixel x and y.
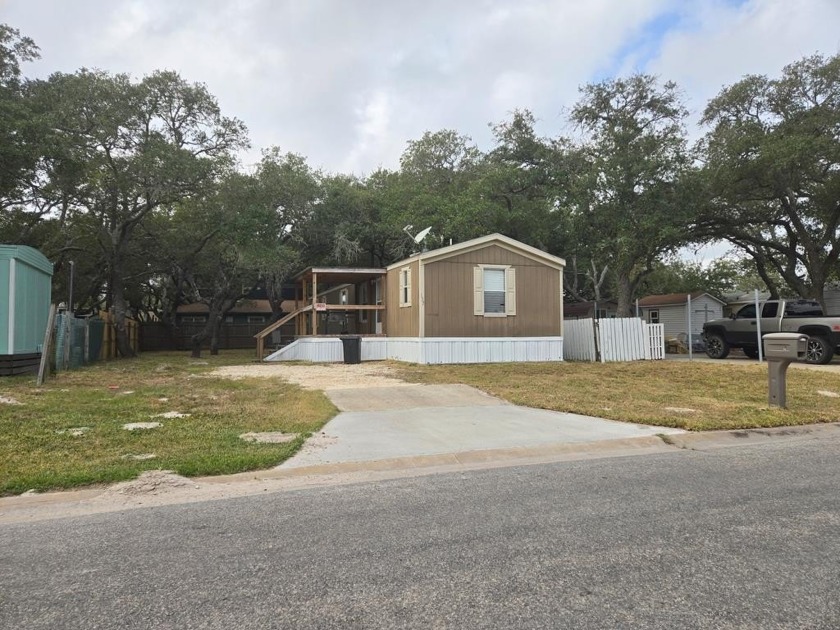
{"type": "Point", "coordinates": [347, 83]}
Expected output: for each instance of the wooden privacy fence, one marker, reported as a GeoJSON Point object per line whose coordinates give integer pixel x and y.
{"type": "Point", "coordinates": [109, 336]}
{"type": "Point", "coordinates": [619, 339]}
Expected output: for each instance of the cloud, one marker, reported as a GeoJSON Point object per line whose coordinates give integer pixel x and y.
{"type": "Point", "coordinates": [348, 84]}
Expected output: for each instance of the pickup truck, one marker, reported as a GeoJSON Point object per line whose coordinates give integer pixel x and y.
{"type": "Point", "coordinates": [801, 316]}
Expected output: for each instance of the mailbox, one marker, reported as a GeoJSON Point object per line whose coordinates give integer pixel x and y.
{"type": "Point", "coordinates": [780, 349]}
{"type": "Point", "coordinates": [785, 346]}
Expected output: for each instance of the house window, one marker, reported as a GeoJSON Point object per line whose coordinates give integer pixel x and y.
{"type": "Point", "coordinates": [653, 316]}
{"type": "Point", "coordinates": [405, 286]}
{"type": "Point", "coordinates": [193, 319]}
{"type": "Point", "coordinates": [256, 319]}
{"type": "Point", "coordinates": [342, 296]}
{"type": "Point", "coordinates": [494, 291]}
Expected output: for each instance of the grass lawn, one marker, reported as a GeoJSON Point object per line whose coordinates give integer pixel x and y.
{"type": "Point", "coordinates": [39, 448]}
{"type": "Point", "coordinates": [695, 396]}
{"type": "Point", "coordinates": [38, 451]}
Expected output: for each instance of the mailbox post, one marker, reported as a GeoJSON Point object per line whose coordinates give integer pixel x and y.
{"type": "Point", "coordinates": [780, 349]}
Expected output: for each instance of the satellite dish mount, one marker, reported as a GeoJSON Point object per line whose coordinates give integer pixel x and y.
{"type": "Point", "coordinates": [422, 234]}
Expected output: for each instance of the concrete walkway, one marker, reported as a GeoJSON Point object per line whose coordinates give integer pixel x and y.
{"type": "Point", "coordinates": [416, 420]}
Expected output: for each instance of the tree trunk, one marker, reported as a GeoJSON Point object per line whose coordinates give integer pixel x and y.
{"type": "Point", "coordinates": [214, 338]}
{"type": "Point", "coordinates": [625, 295]}
{"type": "Point", "coordinates": [197, 340]}
{"type": "Point", "coordinates": [120, 309]}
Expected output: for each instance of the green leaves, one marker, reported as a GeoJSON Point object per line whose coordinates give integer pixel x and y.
{"type": "Point", "coordinates": [773, 169]}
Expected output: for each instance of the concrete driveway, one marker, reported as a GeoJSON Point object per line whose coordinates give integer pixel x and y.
{"type": "Point", "coordinates": [415, 420]}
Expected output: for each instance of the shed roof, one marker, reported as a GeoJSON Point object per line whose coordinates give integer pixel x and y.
{"type": "Point", "coordinates": [483, 241]}
{"type": "Point", "coordinates": [674, 299]}
{"type": "Point", "coordinates": [27, 254]}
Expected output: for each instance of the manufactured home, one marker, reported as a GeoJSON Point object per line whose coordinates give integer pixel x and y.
{"type": "Point", "coordinates": [490, 299]}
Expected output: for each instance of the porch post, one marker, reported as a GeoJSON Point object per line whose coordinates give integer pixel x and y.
{"type": "Point", "coordinates": [314, 301]}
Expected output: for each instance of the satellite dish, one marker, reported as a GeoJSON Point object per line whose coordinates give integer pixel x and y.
{"type": "Point", "coordinates": [422, 234]}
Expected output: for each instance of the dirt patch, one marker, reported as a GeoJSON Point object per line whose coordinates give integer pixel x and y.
{"type": "Point", "coordinates": [323, 377]}
{"type": "Point", "coordinates": [268, 437]}
{"type": "Point", "coordinates": [7, 400]}
{"type": "Point", "coordinates": [171, 414]}
{"type": "Point", "coordinates": [318, 442]}
{"type": "Point", "coordinates": [150, 482]}
{"type": "Point", "coordinates": [73, 431]}
{"type": "Point", "coordinates": [141, 426]}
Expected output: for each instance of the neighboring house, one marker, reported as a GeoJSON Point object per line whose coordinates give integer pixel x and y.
{"type": "Point", "coordinates": [245, 312]}
{"type": "Point", "coordinates": [604, 309]}
{"type": "Point", "coordinates": [672, 311]}
{"type": "Point", "coordinates": [487, 299]}
{"type": "Point", "coordinates": [832, 299]}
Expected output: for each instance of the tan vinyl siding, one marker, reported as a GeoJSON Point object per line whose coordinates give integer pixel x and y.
{"type": "Point", "coordinates": [450, 297]}
{"type": "Point", "coordinates": [402, 321]}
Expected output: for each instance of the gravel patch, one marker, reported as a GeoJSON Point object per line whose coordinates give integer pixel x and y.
{"type": "Point", "coordinates": [318, 376]}
{"type": "Point", "coordinates": [140, 458]}
{"type": "Point", "coordinates": [171, 414]}
{"type": "Point", "coordinates": [138, 426]}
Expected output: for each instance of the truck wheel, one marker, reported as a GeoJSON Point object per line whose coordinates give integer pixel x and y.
{"type": "Point", "coordinates": [750, 352]}
{"type": "Point", "coordinates": [716, 346]}
{"type": "Point", "coordinates": [819, 351]}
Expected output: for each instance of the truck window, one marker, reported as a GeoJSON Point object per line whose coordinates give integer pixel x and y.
{"type": "Point", "coordinates": [803, 308]}
{"type": "Point", "coordinates": [771, 309]}
{"type": "Point", "coordinates": [747, 312]}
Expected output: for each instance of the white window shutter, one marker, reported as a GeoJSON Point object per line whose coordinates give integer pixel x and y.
{"type": "Point", "coordinates": [408, 286]}
{"type": "Point", "coordinates": [478, 291]}
{"type": "Point", "coordinates": [510, 287]}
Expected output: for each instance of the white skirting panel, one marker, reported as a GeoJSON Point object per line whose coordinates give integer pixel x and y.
{"type": "Point", "coordinates": [428, 350]}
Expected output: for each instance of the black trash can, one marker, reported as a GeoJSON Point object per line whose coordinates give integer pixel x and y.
{"type": "Point", "coordinates": [352, 348]}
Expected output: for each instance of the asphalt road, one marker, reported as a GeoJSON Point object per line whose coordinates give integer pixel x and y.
{"type": "Point", "coordinates": [733, 538]}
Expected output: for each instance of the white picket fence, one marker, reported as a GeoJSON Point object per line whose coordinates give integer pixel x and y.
{"type": "Point", "coordinates": [619, 339]}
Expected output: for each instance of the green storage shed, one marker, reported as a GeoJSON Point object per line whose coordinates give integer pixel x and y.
{"type": "Point", "coordinates": [25, 292]}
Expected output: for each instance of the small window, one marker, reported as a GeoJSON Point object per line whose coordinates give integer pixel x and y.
{"type": "Point", "coordinates": [405, 286]}
{"type": "Point", "coordinates": [494, 291]}
{"type": "Point", "coordinates": [342, 296]}
{"type": "Point", "coordinates": [194, 319]}
{"type": "Point", "coordinates": [747, 312]}
{"type": "Point", "coordinates": [229, 319]}
{"type": "Point", "coordinates": [653, 316]}
{"type": "Point", "coordinates": [770, 309]}
{"type": "Point", "coordinates": [256, 319]}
